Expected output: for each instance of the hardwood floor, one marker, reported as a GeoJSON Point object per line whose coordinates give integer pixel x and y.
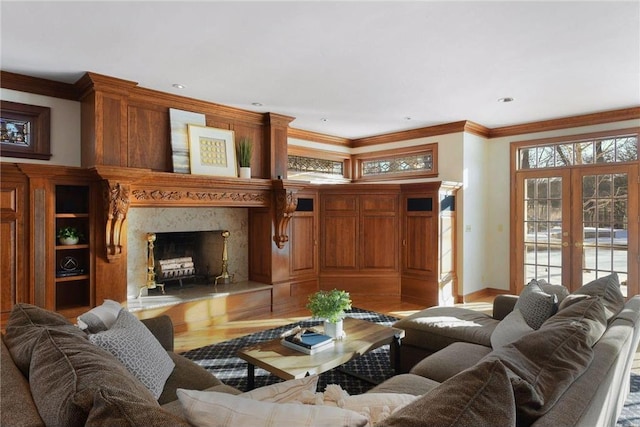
{"type": "Point", "coordinates": [382, 304]}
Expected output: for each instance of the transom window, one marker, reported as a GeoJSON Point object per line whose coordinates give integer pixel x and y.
{"type": "Point", "coordinates": [310, 164]}
{"type": "Point", "coordinates": [412, 162]}
{"type": "Point", "coordinates": [617, 149]}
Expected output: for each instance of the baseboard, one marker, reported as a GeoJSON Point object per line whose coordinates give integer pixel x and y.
{"type": "Point", "coordinates": [484, 294]}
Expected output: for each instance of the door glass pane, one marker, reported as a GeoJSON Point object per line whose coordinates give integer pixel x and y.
{"type": "Point", "coordinates": [543, 228]}
{"type": "Point", "coordinates": [605, 226]}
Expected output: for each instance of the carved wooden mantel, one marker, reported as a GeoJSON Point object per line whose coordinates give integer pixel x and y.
{"type": "Point", "coordinates": [131, 187]}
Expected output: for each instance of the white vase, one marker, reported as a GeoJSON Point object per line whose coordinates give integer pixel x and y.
{"type": "Point", "coordinates": [245, 172]}
{"type": "Point", "coordinates": [334, 330]}
{"type": "Point", "coordinates": [68, 240]}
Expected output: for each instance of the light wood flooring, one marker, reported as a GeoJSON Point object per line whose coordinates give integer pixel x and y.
{"type": "Point", "coordinates": [382, 304]}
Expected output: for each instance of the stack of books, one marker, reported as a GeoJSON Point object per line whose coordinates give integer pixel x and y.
{"type": "Point", "coordinates": [308, 342]}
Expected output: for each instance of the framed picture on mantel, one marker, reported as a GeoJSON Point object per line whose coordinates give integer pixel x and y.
{"type": "Point", "coordinates": [24, 131]}
{"type": "Point", "coordinates": [212, 151]}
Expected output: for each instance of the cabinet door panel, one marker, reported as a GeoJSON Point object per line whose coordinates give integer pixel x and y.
{"type": "Point", "coordinates": [340, 242]}
{"type": "Point", "coordinates": [420, 253]}
{"type": "Point", "coordinates": [303, 238]}
{"type": "Point", "coordinates": [379, 242]}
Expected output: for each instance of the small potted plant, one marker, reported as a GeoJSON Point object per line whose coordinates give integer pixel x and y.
{"type": "Point", "coordinates": [330, 306]}
{"type": "Point", "coordinates": [244, 149]}
{"type": "Point", "coordinates": [69, 235]}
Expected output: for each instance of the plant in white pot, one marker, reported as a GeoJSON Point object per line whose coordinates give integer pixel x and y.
{"type": "Point", "coordinates": [330, 306]}
{"type": "Point", "coordinates": [244, 150]}
{"type": "Point", "coordinates": [69, 235]}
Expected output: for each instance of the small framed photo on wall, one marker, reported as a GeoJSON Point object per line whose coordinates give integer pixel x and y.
{"type": "Point", "coordinates": [212, 151]}
{"type": "Point", "coordinates": [24, 131]}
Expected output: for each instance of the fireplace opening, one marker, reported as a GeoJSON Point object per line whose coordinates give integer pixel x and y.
{"type": "Point", "coordinates": [185, 259]}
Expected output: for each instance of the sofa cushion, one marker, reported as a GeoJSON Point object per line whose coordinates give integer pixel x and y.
{"type": "Point", "coordinates": [25, 325]}
{"type": "Point", "coordinates": [17, 408]}
{"type": "Point", "coordinates": [510, 329]}
{"type": "Point", "coordinates": [536, 305]}
{"type": "Point", "coordinates": [590, 312]}
{"type": "Point", "coordinates": [407, 384]}
{"type": "Point", "coordinates": [607, 288]}
{"type": "Point", "coordinates": [111, 408]}
{"type": "Point", "coordinates": [436, 327]}
{"type": "Point", "coordinates": [543, 364]}
{"type": "Point", "coordinates": [67, 370]}
{"type": "Point", "coordinates": [211, 409]}
{"type": "Point", "coordinates": [479, 396]}
{"type": "Point", "coordinates": [186, 374]}
{"type": "Point", "coordinates": [138, 350]}
{"type": "Point", "coordinates": [450, 361]}
{"type": "Point", "coordinates": [100, 318]}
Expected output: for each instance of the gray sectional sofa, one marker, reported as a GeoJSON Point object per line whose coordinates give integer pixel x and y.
{"type": "Point", "coordinates": [571, 371]}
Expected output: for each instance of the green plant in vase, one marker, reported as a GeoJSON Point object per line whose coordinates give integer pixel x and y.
{"type": "Point", "coordinates": [330, 306]}
{"type": "Point", "coordinates": [244, 150]}
{"type": "Point", "coordinates": [69, 235]}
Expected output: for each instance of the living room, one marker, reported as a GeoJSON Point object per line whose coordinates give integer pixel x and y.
{"type": "Point", "coordinates": [113, 124]}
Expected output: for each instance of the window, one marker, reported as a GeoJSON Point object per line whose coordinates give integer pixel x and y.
{"type": "Point", "coordinates": [413, 162]}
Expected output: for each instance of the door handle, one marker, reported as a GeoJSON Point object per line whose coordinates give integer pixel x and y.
{"type": "Point", "coordinates": [565, 244]}
{"type": "Point", "coordinates": [578, 244]}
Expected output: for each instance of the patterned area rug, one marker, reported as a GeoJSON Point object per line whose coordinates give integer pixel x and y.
{"type": "Point", "coordinates": [222, 361]}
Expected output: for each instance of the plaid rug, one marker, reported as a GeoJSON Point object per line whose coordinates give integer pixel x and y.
{"type": "Point", "coordinates": [222, 361]}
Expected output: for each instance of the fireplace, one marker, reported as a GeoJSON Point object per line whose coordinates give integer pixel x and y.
{"type": "Point", "coordinates": [187, 258]}
{"type": "Point", "coordinates": [210, 222]}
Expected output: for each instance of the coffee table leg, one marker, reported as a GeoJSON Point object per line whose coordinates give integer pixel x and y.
{"type": "Point", "coordinates": [397, 341]}
{"type": "Point", "coordinates": [251, 376]}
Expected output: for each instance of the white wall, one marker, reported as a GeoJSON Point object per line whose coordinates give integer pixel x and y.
{"type": "Point", "coordinates": [65, 127]}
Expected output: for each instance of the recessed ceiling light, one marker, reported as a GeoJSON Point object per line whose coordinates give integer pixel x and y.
{"type": "Point", "coordinates": [505, 99]}
{"type": "Point", "coordinates": [407, 118]}
{"type": "Point", "coordinates": [178, 86]}
{"type": "Point", "coordinates": [256, 104]}
{"type": "Point", "coordinates": [324, 119]}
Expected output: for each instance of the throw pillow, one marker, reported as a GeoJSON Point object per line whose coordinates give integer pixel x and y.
{"type": "Point", "coordinates": [542, 365]}
{"type": "Point", "coordinates": [510, 329]}
{"type": "Point", "coordinates": [536, 305]}
{"type": "Point", "coordinates": [138, 350]}
{"type": "Point", "coordinates": [558, 290]}
{"type": "Point", "coordinates": [25, 325]}
{"type": "Point", "coordinates": [66, 371]}
{"type": "Point", "coordinates": [286, 391]}
{"type": "Point", "coordinates": [589, 313]}
{"type": "Point", "coordinates": [100, 318]}
{"type": "Point", "coordinates": [607, 288]}
{"type": "Point", "coordinates": [479, 396]}
{"type": "Point", "coordinates": [211, 409]}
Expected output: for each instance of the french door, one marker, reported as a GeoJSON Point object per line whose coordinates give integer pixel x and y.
{"type": "Point", "coordinates": [575, 224]}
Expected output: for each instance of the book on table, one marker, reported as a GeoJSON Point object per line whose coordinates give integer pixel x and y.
{"type": "Point", "coordinates": [308, 342]}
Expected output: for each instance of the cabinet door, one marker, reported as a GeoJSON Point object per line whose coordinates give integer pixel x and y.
{"type": "Point", "coordinates": [340, 232]}
{"type": "Point", "coordinates": [379, 237]}
{"type": "Point", "coordinates": [14, 281]}
{"type": "Point", "coordinates": [303, 238]}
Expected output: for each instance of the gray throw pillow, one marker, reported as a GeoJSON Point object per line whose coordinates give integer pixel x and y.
{"type": "Point", "coordinates": [138, 350]}
{"type": "Point", "coordinates": [100, 318]}
{"type": "Point", "coordinates": [608, 289]}
{"type": "Point", "coordinates": [536, 305]}
{"type": "Point", "coordinates": [510, 329]}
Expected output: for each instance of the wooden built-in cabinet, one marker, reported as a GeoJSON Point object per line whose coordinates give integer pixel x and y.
{"type": "Point", "coordinates": [428, 244]}
{"type": "Point", "coordinates": [14, 229]}
{"type": "Point", "coordinates": [360, 239]}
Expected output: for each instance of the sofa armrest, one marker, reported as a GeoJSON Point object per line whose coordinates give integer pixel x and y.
{"type": "Point", "coordinates": [162, 328]}
{"type": "Point", "coordinates": [503, 305]}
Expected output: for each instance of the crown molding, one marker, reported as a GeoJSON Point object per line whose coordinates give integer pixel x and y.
{"type": "Point", "coordinates": [38, 86]}
{"type": "Point", "coordinates": [307, 135]}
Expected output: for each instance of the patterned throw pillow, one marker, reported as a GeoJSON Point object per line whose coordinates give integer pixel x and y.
{"type": "Point", "coordinates": [138, 350]}
{"type": "Point", "coordinates": [536, 305]}
{"type": "Point", "coordinates": [100, 318]}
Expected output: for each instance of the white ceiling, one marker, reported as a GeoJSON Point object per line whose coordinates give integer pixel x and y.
{"type": "Point", "coordinates": [363, 66]}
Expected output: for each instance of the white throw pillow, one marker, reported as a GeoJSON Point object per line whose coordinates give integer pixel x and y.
{"type": "Point", "coordinates": [100, 318]}
{"type": "Point", "coordinates": [213, 409]}
{"type": "Point", "coordinates": [138, 350]}
{"type": "Point", "coordinates": [510, 329]}
{"type": "Point", "coordinates": [286, 391]}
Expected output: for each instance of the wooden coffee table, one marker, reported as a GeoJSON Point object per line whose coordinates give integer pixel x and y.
{"type": "Point", "coordinates": [286, 363]}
